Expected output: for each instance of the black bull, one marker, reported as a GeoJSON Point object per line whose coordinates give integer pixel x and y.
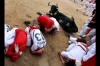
{"type": "Point", "coordinates": [66, 23]}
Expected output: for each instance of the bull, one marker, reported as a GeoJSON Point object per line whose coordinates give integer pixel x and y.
{"type": "Point", "coordinates": [68, 24]}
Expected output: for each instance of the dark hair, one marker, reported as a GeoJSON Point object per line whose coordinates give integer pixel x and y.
{"type": "Point", "coordinates": [70, 63]}
{"type": "Point", "coordinates": [82, 40]}
{"type": "Point", "coordinates": [52, 31]}
{"type": "Point", "coordinates": [39, 13]}
{"type": "Point", "coordinates": [48, 14]}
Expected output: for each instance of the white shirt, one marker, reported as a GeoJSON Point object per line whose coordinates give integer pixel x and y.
{"type": "Point", "coordinates": [76, 52]}
{"type": "Point", "coordinates": [38, 39]}
{"type": "Point", "coordinates": [28, 36]}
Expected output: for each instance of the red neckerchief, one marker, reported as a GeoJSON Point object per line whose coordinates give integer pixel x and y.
{"type": "Point", "coordinates": [32, 27]}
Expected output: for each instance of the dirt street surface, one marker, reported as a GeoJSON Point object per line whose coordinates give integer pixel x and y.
{"type": "Point", "coordinates": [18, 11]}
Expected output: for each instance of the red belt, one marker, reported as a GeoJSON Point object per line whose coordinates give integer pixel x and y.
{"type": "Point", "coordinates": [82, 48]}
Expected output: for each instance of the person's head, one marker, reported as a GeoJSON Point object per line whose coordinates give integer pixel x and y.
{"type": "Point", "coordinates": [82, 39]}
{"type": "Point", "coordinates": [48, 14]}
{"type": "Point", "coordinates": [70, 62]}
{"type": "Point", "coordinates": [53, 31]}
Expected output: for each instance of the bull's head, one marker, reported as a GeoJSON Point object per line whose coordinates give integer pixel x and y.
{"type": "Point", "coordinates": [53, 9]}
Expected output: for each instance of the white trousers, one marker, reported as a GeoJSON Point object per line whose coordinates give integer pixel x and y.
{"type": "Point", "coordinates": [92, 32]}
{"type": "Point", "coordinates": [85, 25]}
{"type": "Point", "coordinates": [9, 37]}
{"type": "Point", "coordinates": [92, 40]}
{"type": "Point", "coordinates": [88, 11]}
{"type": "Point", "coordinates": [91, 52]}
{"type": "Point", "coordinates": [83, 31]}
{"type": "Point", "coordinates": [84, 7]}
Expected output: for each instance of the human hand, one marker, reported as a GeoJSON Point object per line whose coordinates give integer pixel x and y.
{"type": "Point", "coordinates": [16, 48]}
{"type": "Point", "coordinates": [6, 49]}
{"type": "Point", "coordinates": [63, 62]}
{"type": "Point", "coordinates": [40, 50]}
{"type": "Point", "coordinates": [20, 52]}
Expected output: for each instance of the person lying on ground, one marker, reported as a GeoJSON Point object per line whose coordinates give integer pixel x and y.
{"type": "Point", "coordinates": [74, 53]}
{"type": "Point", "coordinates": [18, 46]}
{"type": "Point", "coordinates": [90, 58]}
{"type": "Point", "coordinates": [9, 37]}
{"type": "Point", "coordinates": [46, 24]}
{"type": "Point", "coordinates": [35, 37]}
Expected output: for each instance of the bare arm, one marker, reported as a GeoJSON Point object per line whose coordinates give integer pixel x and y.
{"type": "Point", "coordinates": [61, 58]}
{"type": "Point", "coordinates": [38, 51]}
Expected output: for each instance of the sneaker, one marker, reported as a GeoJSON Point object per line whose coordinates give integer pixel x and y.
{"type": "Point", "coordinates": [27, 23]}
{"type": "Point", "coordinates": [78, 34]}
{"type": "Point", "coordinates": [39, 13]}
{"type": "Point", "coordinates": [69, 42]}
{"type": "Point", "coordinates": [8, 26]}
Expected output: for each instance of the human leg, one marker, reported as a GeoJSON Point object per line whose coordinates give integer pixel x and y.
{"type": "Point", "coordinates": [92, 40]}
{"type": "Point", "coordinates": [83, 2]}
{"type": "Point", "coordinates": [85, 25]}
{"type": "Point", "coordinates": [82, 32]}
{"type": "Point", "coordinates": [81, 8]}
{"type": "Point", "coordinates": [92, 32]}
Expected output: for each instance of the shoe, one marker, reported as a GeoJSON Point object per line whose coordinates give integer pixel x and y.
{"type": "Point", "coordinates": [8, 27]}
{"type": "Point", "coordinates": [76, 9]}
{"type": "Point", "coordinates": [84, 13]}
{"type": "Point", "coordinates": [39, 13]}
{"type": "Point", "coordinates": [27, 23]}
{"type": "Point", "coordinates": [69, 42]}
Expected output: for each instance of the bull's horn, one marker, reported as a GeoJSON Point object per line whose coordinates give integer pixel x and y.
{"type": "Point", "coordinates": [72, 18]}
{"type": "Point", "coordinates": [49, 4]}
{"type": "Point", "coordinates": [57, 5]}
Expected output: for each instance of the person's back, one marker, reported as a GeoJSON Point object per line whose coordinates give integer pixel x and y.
{"type": "Point", "coordinates": [77, 52]}
{"type": "Point", "coordinates": [38, 39]}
